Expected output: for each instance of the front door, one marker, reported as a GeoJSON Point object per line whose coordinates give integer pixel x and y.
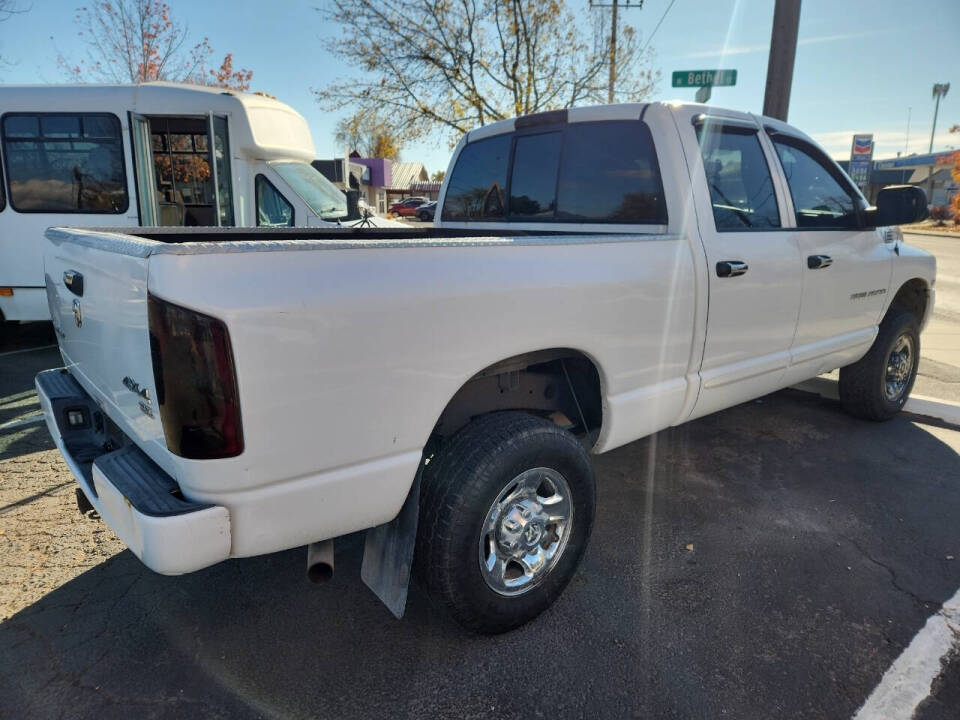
{"type": "Point", "coordinates": [845, 267]}
{"type": "Point", "coordinates": [753, 264]}
{"type": "Point", "coordinates": [147, 200]}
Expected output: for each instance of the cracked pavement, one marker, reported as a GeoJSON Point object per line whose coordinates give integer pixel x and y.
{"type": "Point", "coordinates": [820, 546]}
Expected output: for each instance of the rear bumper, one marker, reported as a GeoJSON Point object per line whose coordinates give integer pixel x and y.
{"type": "Point", "coordinates": [138, 500]}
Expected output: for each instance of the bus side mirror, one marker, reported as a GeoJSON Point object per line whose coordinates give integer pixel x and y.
{"type": "Point", "coordinates": [899, 205]}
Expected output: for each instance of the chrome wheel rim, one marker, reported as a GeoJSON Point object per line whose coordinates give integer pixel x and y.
{"type": "Point", "coordinates": [525, 531]}
{"type": "Point", "coordinates": [899, 368]}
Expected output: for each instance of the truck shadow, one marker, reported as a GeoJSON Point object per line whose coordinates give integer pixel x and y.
{"type": "Point", "coordinates": [770, 560]}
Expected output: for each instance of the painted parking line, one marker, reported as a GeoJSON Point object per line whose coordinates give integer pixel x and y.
{"type": "Point", "coordinates": [26, 350]}
{"type": "Point", "coordinates": [13, 424]}
{"type": "Point", "coordinates": [908, 682]}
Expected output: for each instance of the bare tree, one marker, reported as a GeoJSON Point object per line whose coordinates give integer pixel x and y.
{"type": "Point", "coordinates": [368, 135]}
{"type": "Point", "coordinates": [451, 65]}
{"type": "Point", "coordinates": [139, 41]}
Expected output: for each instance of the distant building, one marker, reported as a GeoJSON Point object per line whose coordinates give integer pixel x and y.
{"type": "Point", "coordinates": [913, 170]}
{"type": "Point", "coordinates": [380, 181]}
{"type": "Point", "coordinates": [369, 176]}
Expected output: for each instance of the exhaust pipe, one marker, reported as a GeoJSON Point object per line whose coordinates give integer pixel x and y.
{"type": "Point", "coordinates": [320, 561]}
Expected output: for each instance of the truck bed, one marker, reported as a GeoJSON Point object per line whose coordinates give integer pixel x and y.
{"type": "Point", "coordinates": [232, 234]}
{"type": "Point", "coordinates": [348, 344]}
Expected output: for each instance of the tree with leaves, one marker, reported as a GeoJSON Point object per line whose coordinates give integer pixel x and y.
{"type": "Point", "coordinates": [138, 41]}
{"type": "Point", "coordinates": [368, 135]}
{"type": "Point", "coordinates": [451, 65]}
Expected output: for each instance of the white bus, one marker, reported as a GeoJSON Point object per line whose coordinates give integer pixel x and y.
{"type": "Point", "coordinates": [157, 154]}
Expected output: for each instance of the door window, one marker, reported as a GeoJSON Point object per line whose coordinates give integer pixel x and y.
{"type": "Point", "coordinates": [610, 173]}
{"type": "Point", "coordinates": [741, 188]}
{"type": "Point", "coordinates": [820, 198]}
{"type": "Point", "coordinates": [65, 163]}
{"type": "Point", "coordinates": [184, 179]}
{"type": "Point", "coordinates": [273, 209]}
{"type": "Point", "coordinates": [221, 156]}
{"type": "Point", "coordinates": [477, 187]}
{"type": "Point", "coordinates": [533, 183]}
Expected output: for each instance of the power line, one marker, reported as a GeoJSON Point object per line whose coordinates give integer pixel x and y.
{"type": "Point", "coordinates": [660, 22]}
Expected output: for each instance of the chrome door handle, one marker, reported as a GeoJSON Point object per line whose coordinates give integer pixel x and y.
{"type": "Point", "coordinates": [731, 268]}
{"type": "Point", "coordinates": [816, 262]}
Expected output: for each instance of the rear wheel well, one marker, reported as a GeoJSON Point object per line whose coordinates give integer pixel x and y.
{"type": "Point", "coordinates": [912, 297]}
{"type": "Point", "coordinates": [560, 384]}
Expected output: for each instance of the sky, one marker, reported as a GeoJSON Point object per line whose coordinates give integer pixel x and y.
{"type": "Point", "coordinates": [861, 66]}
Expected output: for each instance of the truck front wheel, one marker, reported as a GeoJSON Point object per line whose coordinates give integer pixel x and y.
{"type": "Point", "coordinates": [877, 386]}
{"type": "Point", "coordinates": [506, 511]}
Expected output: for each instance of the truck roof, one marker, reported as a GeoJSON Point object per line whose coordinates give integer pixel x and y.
{"type": "Point", "coordinates": [621, 111]}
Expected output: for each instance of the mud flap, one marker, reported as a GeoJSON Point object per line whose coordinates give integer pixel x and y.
{"type": "Point", "coordinates": [388, 553]}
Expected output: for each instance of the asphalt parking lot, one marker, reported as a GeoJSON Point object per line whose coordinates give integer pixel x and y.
{"type": "Point", "coordinates": [771, 560]}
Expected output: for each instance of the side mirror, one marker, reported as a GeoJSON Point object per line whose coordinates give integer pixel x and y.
{"type": "Point", "coordinates": [900, 205]}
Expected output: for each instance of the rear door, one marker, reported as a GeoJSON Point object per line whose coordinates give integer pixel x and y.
{"type": "Point", "coordinates": [753, 264]}
{"type": "Point", "coordinates": [845, 267]}
{"type": "Point", "coordinates": [98, 303]}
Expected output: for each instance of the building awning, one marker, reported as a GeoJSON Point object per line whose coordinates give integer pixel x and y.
{"type": "Point", "coordinates": [922, 174]}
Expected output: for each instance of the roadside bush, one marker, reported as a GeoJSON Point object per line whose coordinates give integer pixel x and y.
{"type": "Point", "coordinates": [939, 213]}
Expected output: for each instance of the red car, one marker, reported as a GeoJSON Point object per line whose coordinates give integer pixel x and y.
{"type": "Point", "coordinates": [408, 206]}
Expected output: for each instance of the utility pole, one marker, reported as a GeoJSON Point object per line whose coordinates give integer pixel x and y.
{"type": "Point", "coordinates": [783, 52]}
{"type": "Point", "coordinates": [612, 83]}
{"type": "Point", "coordinates": [939, 90]}
{"type": "Point", "coordinates": [906, 144]}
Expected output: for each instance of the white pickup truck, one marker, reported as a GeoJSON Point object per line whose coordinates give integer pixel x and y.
{"type": "Point", "coordinates": [595, 275]}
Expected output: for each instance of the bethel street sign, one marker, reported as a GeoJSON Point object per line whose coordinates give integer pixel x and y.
{"type": "Point", "coordinates": [704, 78]}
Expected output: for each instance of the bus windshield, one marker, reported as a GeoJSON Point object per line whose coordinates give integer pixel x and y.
{"type": "Point", "coordinates": [323, 197]}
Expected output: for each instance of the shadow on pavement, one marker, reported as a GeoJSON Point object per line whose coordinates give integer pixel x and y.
{"type": "Point", "coordinates": [14, 336]}
{"type": "Point", "coordinates": [768, 561]}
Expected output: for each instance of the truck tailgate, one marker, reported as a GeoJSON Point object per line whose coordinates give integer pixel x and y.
{"type": "Point", "coordinates": [98, 303]}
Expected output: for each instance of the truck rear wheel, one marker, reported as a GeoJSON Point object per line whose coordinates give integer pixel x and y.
{"type": "Point", "coordinates": [506, 511]}
{"type": "Point", "coordinates": [877, 386]}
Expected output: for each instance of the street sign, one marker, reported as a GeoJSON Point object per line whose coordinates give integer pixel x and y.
{"type": "Point", "coordinates": [861, 155]}
{"type": "Point", "coordinates": [704, 78]}
{"type": "Point", "coordinates": [703, 94]}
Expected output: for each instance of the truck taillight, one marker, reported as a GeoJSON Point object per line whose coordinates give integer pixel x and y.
{"type": "Point", "coordinates": [195, 381]}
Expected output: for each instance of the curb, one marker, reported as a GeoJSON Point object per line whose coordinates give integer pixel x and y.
{"type": "Point", "coordinates": [943, 410]}
{"type": "Point", "coordinates": [932, 233]}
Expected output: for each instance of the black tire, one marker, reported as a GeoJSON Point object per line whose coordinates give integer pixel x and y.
{"type": "Point", "coordinates": [862, 384]}
{"type": "Point", "coordinates": [462, 482]}
{"type": "Point", "coordinates": [423, 217]}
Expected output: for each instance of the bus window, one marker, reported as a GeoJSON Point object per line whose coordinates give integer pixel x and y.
{"type": "Point", "coordinates": [65, 162]}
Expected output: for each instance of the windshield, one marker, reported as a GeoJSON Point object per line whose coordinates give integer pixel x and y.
{"type": "Point", "coordinates": [323, 197]}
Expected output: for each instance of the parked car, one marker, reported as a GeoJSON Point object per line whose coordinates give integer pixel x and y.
{"type": "Point", "coordinates": [407, 207]}
{"type": "Point", "coordinates": [426, 211]}
{"type": "Point", "coordinates": [596, 275]}
{"type": "Point", "coordinates": [192, 157]}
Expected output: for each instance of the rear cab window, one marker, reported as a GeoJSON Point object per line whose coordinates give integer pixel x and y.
{"type": "Point", "coordinates": [477, 187]}
{"type": "Point", "coordinates": [581, 172]}
{"type": "Point", "coordinates": [65, 162]}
